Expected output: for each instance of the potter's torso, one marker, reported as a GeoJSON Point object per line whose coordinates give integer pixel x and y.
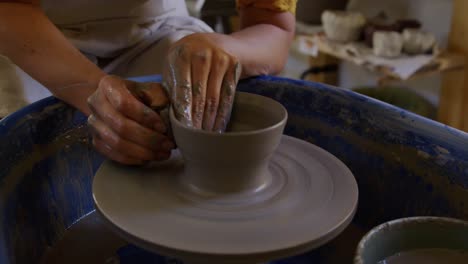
{"type": "Point", "coordinates": [104, 28]}
{"type": "Point", "coordinates": [67, 12]}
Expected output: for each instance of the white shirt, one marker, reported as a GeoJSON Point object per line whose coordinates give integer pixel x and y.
{"type": "Point", "coordinates": [122, 30]}
{"type": "Point", "coordinates": [105, 27]}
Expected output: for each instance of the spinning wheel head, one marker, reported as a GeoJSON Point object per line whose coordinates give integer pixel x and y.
{"type": "Point", "coordinates": [249, 195]}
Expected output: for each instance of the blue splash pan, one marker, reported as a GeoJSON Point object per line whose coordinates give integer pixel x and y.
{"type": "Point", "coordinates": [405, 165]}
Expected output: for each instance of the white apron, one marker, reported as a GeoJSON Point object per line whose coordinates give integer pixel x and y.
{"type": "Point", "coordinates": [124, 37]}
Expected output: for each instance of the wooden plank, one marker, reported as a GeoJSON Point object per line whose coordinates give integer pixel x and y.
{"type": "Point", "coordinates": [465, 111]}
{"type": "Point", "coordinates": [451, 103]}
{"type": "Point", "coordinates": [453, 108]}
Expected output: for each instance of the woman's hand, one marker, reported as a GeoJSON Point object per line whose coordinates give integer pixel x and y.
{"type": "Point", "coordinates": [124, 127]}
{"type": "Point", "coordinates": [202, 78]}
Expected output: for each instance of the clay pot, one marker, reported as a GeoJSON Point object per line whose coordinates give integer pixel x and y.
{"type": "Point", "coordinates": [371, 28]}
{"type": "Point", "coordinates": [384, 24]}
{"type": "Point", "coordinates": [387, 44]}
{"type": "Point", "coordinates": [237, 160]}
{"type": "Point", "coordinates": [418, 235]}
{"type": "Point", "coordinates": [417, 42]}
{"type": "Point", "coordinates": [343, 26]}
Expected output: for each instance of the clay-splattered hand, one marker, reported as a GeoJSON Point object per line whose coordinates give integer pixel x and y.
{"type": "Point", "coordinates": [201, 78]}
{"type": "Point", "coordinates": [124, 124]}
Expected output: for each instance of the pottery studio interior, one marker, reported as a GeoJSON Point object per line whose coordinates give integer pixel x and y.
{"type": "Point", "coordinates": [233, 132]}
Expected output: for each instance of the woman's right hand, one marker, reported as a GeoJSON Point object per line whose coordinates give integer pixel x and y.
{"type": "Point", "coordinates": [124, 128]}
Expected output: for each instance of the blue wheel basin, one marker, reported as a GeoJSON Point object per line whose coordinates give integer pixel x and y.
{"type": "Point", "coordinates": [405, 165]}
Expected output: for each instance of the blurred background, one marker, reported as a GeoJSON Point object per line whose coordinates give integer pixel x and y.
{"type": "Point", "coordinates": [430, 91]}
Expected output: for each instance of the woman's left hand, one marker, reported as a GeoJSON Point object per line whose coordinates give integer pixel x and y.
{"type": "Point", "coordinates": [202, 78]}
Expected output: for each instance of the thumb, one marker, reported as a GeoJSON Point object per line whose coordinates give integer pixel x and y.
{"type": "Point", "coordinates": [151, 94]}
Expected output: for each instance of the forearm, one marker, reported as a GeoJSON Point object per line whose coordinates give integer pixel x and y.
{"type": "Point", "coordinates": [33, 43]}
{"type": "Point", "coordinates": [262, 45]}
{"type": "Point", "coordinates": [265, 49]}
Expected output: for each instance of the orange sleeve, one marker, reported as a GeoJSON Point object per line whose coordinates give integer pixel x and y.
{"type": "Point", "coordinates": [274, 5]}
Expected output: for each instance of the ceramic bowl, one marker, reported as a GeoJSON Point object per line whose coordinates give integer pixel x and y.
{"type": "Point", "coordinates": [237, 160]}
{"type": "Point", "coordinates": [343, 26]}
{"type": "Point", "coordinates": [414, 234]}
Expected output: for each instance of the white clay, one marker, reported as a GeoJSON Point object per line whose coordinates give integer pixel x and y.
{"type": "Point", "coordinates": [387, 44]}
{"type": "Point", "coordinates": [343, 26]}
{"type": "Point", "coordinates": [417, 42]}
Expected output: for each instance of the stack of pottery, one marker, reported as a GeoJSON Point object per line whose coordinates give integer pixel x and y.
{"type": "Point", "coordinates": [390, 38]}
{"type": "Point", "coordinates": [387, 38]}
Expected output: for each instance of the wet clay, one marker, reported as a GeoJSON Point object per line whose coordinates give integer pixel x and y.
{"type": "Point", "coordinates": [212, 159]}
{"type": "Point", "coordinates": [428, 256]}
{"type": "Point", "coordinates": [87, 241]}
{"type": "Point", "coordinates": [310, 200]}
{"type": "Point", "coordinates": [250, 117]}
{"type": "Point", "coordinates": [246, 196]}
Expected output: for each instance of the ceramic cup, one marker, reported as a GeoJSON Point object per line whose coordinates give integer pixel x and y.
{"type": "Point", "coordinates": [237, 160]}
{"type": "Point", "coordinates": [414, 234]}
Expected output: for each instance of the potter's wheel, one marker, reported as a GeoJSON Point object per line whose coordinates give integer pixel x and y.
{"type": "Point", "coordinates": [310, 199]}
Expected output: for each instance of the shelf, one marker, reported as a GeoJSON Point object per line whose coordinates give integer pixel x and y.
{"type": "Point", "coordinates": [442, 62]}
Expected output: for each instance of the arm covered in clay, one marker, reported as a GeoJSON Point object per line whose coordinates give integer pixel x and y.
{"type": "Point", "coordinates": [124, 128]}
{"type": "Point", "coordinates": [203, 68]}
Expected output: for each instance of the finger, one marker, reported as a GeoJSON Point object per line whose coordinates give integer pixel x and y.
{"type": "Point", "coordinates": [151, 94]}
{"type": "Point", "coordinates": [127, 128]}
{"type": "Point", "coordinates": [124, 102]}
{"type": "Point", "coordinates": [201, 63]}
{"type": "Point", "coordinates": [118, 144]}
{"type": "Point", "coordinates": [164, 114]}
{"type": "Point", "coordinates": [228, 90]}
{"type": "Point", "coordinates": [107, 151]}
{"type": "Point", "coordinates": [168, 78]}
{"type": "Point", "coordinates": [219, 65]}
{"type": "Point", "coordinates": [182, 90]}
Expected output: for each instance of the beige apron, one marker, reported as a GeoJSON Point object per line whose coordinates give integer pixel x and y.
{"type": "Point", "coordinates": [124, 37]}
